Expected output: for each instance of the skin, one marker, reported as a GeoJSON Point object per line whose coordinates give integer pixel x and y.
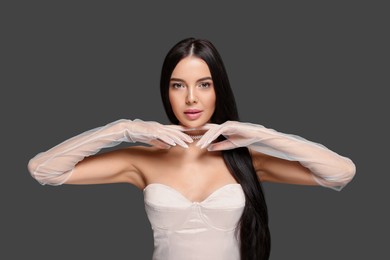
{"type": "Point", "coordinates": [194, 172]}
{"type": "Point", "coordinates": [191, 87]}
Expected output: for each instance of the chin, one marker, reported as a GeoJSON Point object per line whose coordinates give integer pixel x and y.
{"type": "Point", "coordinates": [193, 124]}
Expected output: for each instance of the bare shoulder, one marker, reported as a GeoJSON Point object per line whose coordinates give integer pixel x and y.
{"type": "Point", "coordinates": [145, 161]}
{"type": "Point", "coordinates": [140, 156]}
{"type": "Point", "coordinates": [123, 165]}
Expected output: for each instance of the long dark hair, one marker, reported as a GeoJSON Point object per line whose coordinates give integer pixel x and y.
{"type": "Point", "coordinates": [255, 239]}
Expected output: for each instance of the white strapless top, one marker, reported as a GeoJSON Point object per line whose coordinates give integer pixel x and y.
{"type": "Point", "coordinates": [186, 230]}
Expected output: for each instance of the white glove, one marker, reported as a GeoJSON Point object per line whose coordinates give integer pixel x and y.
{"type": "Point", "coordinates": [55, 166]}
{"type": "Point", "coordinates": [329, 168]}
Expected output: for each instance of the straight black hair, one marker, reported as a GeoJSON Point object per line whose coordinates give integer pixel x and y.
{"type": "Point", "coordinates": [255, 239]}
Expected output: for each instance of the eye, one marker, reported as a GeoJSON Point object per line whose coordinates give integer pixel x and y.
{"type": "Point", "coordinates": [205, 84]}
{"type": "Point", "coordinates": [177, 85]}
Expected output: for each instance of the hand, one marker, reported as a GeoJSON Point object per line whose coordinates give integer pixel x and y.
{"type": "Point", "coordinates": [156, 134]}
{"type": "Point", "coordinates": [328, 168]}
{"type": "Point", "coordinates": [237, 134]}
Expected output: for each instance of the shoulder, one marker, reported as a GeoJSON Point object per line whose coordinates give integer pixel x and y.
{"type": "Point", "coordinates": [141, 156]}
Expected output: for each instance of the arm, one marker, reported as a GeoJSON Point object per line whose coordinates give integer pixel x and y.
{"type": "Point", "coordinates": [58, 165]}
{"type": "Point", "coordinates": [327, 168]}
{"type": "Point", "coordinates": [274, 169]}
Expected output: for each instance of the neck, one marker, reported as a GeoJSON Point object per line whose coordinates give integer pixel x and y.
{"type": "Point", "coordinates": [195, 137]}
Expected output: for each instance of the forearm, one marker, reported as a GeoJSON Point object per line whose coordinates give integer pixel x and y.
{"type": "Point", "coordinates": [329, 169]}
{"type": "Point", "coordinates": [55, 165]}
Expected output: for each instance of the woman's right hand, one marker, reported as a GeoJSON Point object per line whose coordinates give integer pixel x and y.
{"type": "Point", "coordinates": [156, 134]}
{"type": "Point", "coordinates": [56, 165]}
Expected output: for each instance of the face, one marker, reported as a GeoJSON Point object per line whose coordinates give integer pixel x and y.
{"type": "Point", "coordinates": [191, 92]}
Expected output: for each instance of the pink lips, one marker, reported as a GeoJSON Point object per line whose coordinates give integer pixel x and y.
{"type": "Point", "coordinates": [193, 114]}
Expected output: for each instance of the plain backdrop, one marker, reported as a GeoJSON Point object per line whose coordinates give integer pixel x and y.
{"type": "Point", "coordinates": [318, 69]}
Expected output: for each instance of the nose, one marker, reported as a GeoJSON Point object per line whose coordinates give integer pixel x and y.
{"type": "Point", "coordinates": [191, 97]}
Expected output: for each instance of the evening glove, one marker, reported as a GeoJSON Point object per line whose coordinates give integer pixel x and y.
{"type": "Point", "coordinates": [328, 168]}
{"type": "Point", "coordinates": [55, 165]}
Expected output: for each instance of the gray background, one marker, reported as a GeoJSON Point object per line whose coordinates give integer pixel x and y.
{"type": "Point", "coordinates": [312, 68]}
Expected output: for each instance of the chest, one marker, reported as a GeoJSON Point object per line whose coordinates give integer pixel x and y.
{"type": "Point", "coordinates": [193, 176]}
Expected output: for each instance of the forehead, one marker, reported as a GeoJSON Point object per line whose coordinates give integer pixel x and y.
{"type": "Point", "coordinates": [191, 67]}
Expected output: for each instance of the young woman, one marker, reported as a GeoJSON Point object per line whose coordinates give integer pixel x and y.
{"type": "Point", "coordinates": [202, 175]}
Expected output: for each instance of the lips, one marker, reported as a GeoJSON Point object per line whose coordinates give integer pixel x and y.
{"type": "Point", "coordinates": [193, 114]}
{"type": "Point", "coordinates": [192, 111]}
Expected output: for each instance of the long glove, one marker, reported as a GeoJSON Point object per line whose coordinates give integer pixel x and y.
{"type": "Point", "coordinates": [55, 166]}
{"type": "Point", "coordinates": [329, 169]}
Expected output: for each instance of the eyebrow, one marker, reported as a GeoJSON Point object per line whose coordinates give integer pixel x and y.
{"type": "Point", "coordinates": [201, 79]}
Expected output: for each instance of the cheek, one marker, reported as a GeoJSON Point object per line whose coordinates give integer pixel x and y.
{"type": "Point", "coordinates": [212, 100]}
{"type": "Point", "coordinates": [171, 98]}
{"type": "Point", "coordinates": [173, 101]}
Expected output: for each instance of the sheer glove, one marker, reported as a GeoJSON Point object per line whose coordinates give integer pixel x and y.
{"type": "Point", "coordinates": [329, 169]}
{"type": "Point", "coordinates": [55, 166]}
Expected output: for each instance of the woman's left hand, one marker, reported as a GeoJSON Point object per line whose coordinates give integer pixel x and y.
{"type": "Point", "coordinates": [237, 134]}
{"type": "Point", "coordinates": [328, 168]}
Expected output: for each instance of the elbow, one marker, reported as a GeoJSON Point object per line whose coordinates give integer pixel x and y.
{"type": "Point", "coordinates": [348, 172]}
{"type": "Point", "coordinates": [32, 166]}
{"type": "Point", "coordinates": [46, 175]}
{"type": "Point", "coordinates": [343, 174]}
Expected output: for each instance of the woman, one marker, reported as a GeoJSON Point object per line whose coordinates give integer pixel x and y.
{"type": "Point", "coordinates": [201, 176]}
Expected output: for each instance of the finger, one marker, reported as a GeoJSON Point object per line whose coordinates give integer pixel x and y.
{"type": "Point", "coordinates": [172, 140]}
{"type": "Point", "coordinates": [179, 137]}
{"type": "Point", "coordinates": [159, 144]}
{"type": "Point", "coordinates": [223, 145]}
{"type": "Point", "coordinates": [210, 136]}
{"type": "Point", "coordinates": [179, 141]}
{"type": "Point", "coordinates": [176, 127]}
{"type": "Point", "coordinates": [166, 140]}
{"type": "Point", "coordinates": [226, 129]}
